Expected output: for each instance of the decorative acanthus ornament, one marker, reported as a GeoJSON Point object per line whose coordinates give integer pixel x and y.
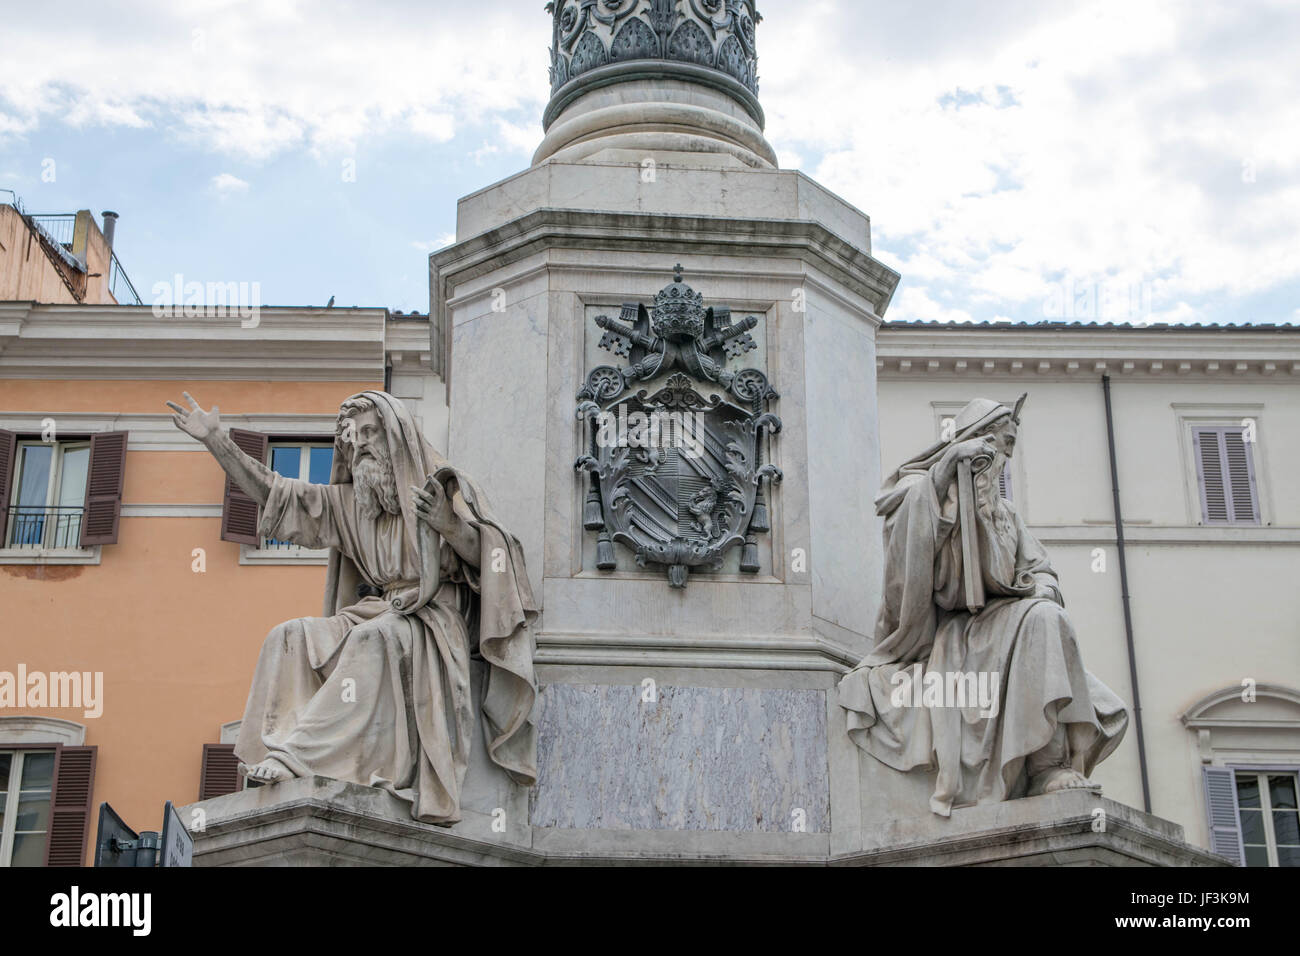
{"type": "Point", "coordinates": [674, 475]}
{"type": "Point", "coordinates": [718, 34]}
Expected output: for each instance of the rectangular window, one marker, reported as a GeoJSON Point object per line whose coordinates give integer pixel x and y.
{"type": "Point", "coordinates": [48, 496]}
{"type": "Point", "coordinates": [26, 783]}
{"type": "Point", "coordinates": [309, 461]}
{"type": "Point", "coordinates": [1225, 472]}
{"type": "Point", "coordinates": [1269, 816]}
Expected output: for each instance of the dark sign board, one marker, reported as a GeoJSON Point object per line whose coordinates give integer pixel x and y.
{"type": "Point", "coordinates": [115, 842]}
{"type": "Point", "coordinates": [177, 845]}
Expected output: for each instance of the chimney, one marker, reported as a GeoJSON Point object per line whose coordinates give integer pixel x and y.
{"type": "Point", "coordinates": [110, 226]}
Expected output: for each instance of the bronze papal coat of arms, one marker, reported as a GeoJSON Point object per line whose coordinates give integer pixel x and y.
{"type": "Point", "coordinates": [674, 475]}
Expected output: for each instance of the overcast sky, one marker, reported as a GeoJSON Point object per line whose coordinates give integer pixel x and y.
{"type": "Point", "coordinates": [1013, 156]}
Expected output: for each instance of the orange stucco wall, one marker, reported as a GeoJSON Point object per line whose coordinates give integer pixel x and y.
{"type": "Point", "coordinates": [176, 647]}
{"type": "Point", "coordinates": [28, 274]}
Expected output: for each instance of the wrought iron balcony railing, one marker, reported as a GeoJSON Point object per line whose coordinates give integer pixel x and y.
{"type": "Point", "coordinates": [46, 527]}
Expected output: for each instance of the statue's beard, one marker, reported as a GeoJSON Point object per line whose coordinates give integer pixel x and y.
{"type": "Point", "coordinates": [987, 484]}
{"type": "Point", "coordinates": [375, 486]}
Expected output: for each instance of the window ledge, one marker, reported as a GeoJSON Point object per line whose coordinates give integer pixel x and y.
{"type": "Point", "coordinates": [260, 556]}
{"type": "Point", "coordinates": [50, 555]}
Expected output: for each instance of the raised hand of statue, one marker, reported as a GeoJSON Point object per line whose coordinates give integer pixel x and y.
{"type": "Point", "coordinates": [434, 507]}
{"type": "Point", "coordinates": [196, 422]}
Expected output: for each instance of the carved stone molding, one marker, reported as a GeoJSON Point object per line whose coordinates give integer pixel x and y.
{"type": "Point", "coordinates": [715, 34]}
{"type": "Point", "coordinates": [674, 475]}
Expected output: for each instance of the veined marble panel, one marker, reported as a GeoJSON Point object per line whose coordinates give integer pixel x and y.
{"type": "Point", "coordinates": [695, 758]}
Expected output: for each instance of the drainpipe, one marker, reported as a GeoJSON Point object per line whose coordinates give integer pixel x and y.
{"type": "Point", "coordinates": [1128, 611]}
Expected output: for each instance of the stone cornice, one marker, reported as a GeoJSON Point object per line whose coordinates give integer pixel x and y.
{"type": "Point", "coordinates": [670, 234]}
{"type": "Point", "coordinates": [983, 351]}
{"type": "Point", "coordinates": [124, 342]}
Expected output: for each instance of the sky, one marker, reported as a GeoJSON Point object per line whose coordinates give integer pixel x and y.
{"type": "Point", "coordinates": [1020, 159]}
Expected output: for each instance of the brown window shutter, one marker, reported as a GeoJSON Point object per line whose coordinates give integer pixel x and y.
{"type": "Point", "coordinates": [8, 450]}
{"type": "Point", "coordinates": [220, 772]}
{"type": "Point", "coordinates": [74, 783]}
{"type": "Point", "coordinates": [239, 511]}
{"type": "Point", "coordinates": [103, 504]}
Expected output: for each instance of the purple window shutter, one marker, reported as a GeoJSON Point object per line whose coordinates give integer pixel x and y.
{"type": "Point", "coordinates": [1240, 469]}
{"type": "Point", "coordinates": [1210, 475]}
{"type": "Point", "coordinates": [1222, 813]}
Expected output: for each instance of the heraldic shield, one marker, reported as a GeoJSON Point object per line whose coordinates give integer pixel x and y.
{"type": "Point", "coordinates": [676, 475]}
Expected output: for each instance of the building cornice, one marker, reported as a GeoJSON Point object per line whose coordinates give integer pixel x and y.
{"type": "Point", "coordinates": [1034, 352]}
{"type": "Point", "coordinates": [811, 241]}
{"type": "Point", "coordinates": [671, 234]}
{"type": "Point", "coordinates": [278, 343]}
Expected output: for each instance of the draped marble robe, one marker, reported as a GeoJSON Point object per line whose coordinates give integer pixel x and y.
{"type": "Point", "coordinates": [379, 697]}
{"type": "Point", "coordinates": [923, 627]}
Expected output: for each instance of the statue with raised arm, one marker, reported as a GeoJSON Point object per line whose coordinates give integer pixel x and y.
{"type": "Point", "coordinates": [976, 670]}
{"type": "Point", "coordinates": [421, 577]}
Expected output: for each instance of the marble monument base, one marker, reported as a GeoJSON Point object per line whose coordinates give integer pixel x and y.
{"type": "Point", "coordinates": [320, 822]}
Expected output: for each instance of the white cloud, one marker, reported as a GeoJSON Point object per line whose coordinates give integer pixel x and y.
{"type": "Point", "coordinates": [912, 304]}
{"type": "Point", "coordinates": [254, 80]}
{"type": "Point", "coordinates": [438, 127]}
{"type": "Point", "coordinates": [999, 147]}
{"type": "Point", "coordinates": [1105, 141]}
{"type": "Point", "coordinates": [226, 184]}
{"type": "Point", "coordinates": [433, 245]}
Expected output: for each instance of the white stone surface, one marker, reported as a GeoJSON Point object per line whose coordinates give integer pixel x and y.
{"type": "Point", "coordinates": [648, 118]}
{"type": "Point", "coordinates": [317, 822]}
{"type": "Point", "coordinates": [675, 189]}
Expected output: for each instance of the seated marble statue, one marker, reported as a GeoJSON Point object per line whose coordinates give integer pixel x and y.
{"type": "Point", "coordinates": [1048, 721]}
{"type": "Point", "coordinates": [421, 575]}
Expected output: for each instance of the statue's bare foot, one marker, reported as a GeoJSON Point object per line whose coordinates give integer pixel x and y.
{"type": "Point", "coordinates": [1060, 778]}
{"type": "Point", "coordinates": [269, 770]}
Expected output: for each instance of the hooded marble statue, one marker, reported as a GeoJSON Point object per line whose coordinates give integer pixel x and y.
{"type": "Point", "coordinates": [1047, 721]}
{"type": "Point", "coordinates": [421, 575]}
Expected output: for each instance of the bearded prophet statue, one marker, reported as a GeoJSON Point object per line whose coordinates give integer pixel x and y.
{"type": "Point", "coordinates": [970, 598]}
{"type": "Point", "coordinates": [421, 576]}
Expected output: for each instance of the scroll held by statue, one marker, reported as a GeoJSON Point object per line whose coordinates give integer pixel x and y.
{"type": "Point", "coordinates": [972, 572]}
